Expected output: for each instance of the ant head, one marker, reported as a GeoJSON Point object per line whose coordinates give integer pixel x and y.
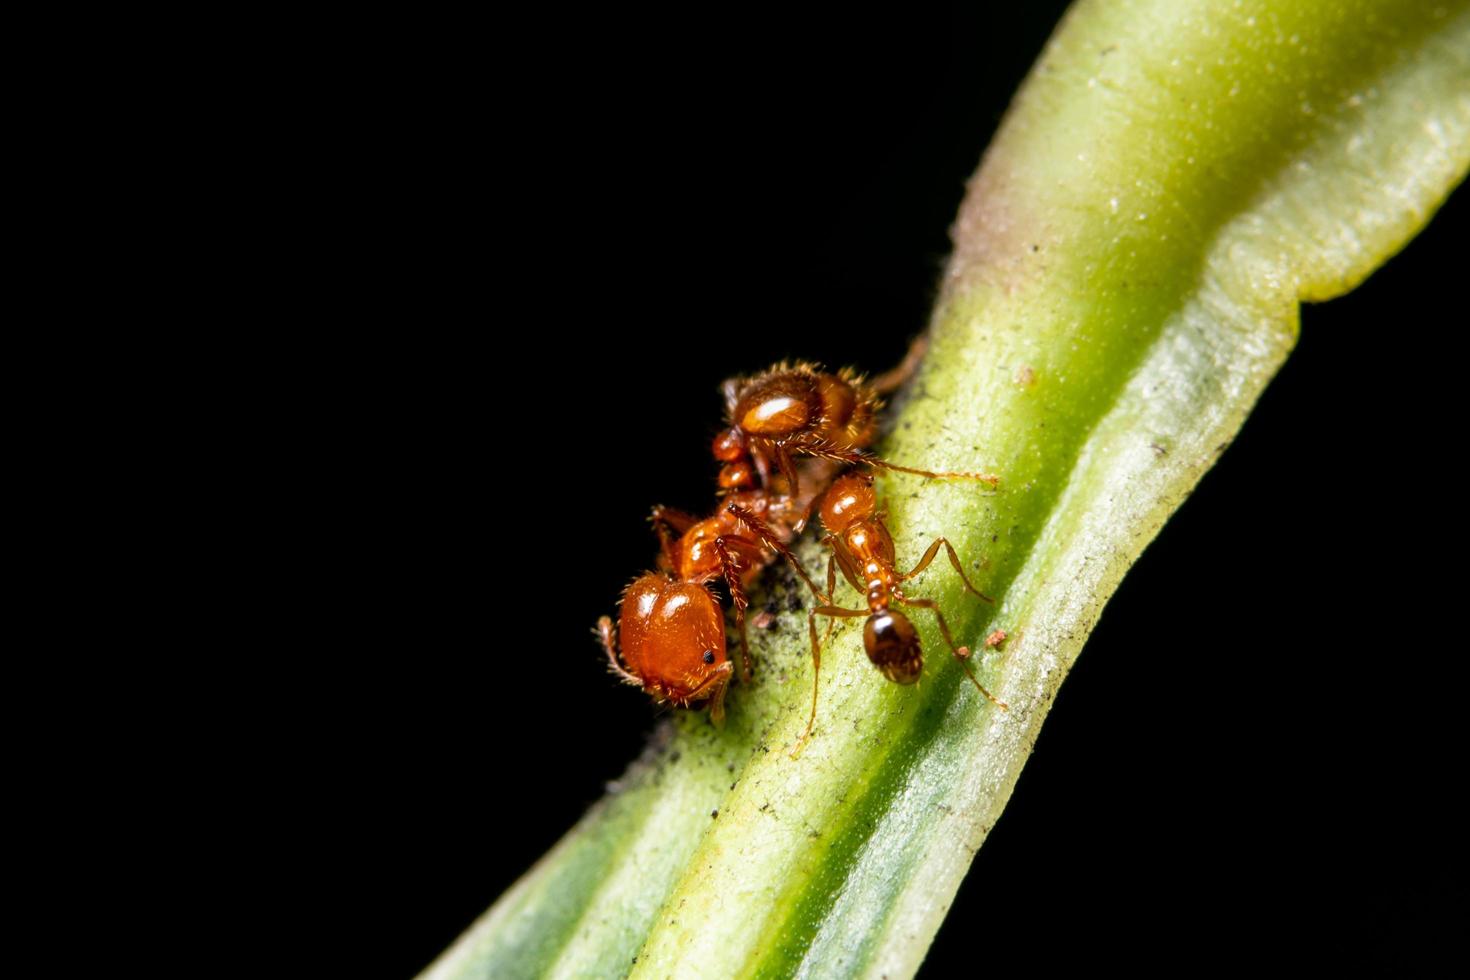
{"type": "Point", "coordinates": [893, 646]}
{"type": "Point", "coordinates": [673, 638]}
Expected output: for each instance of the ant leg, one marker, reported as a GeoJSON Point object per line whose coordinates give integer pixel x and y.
{"type": "Point", "coordinates": [889, 381]}
{"type": "Point", "coordinates": [840, 611]}
{"type": "Point", "coordinates": [730, 568]}
{"type": "Point", "coordinates": [816, 658]}
{"type": "Point", "coordinates": [787, 468]}
{"type": "Point", "coordinates": [845, 562]}
{"type": "Point", "coordinates": [731, 390]}
{"type": "Point", "coordinates": [667, 524]}
{"type": "Point", "coordinates": [834, 612]}
{"type": "Point", "coordinates": [762, 464]}
{"type": "Point", "coordinates": [769, 539]}
{"type": "Point", "coordinates": [609, 645]}
{"type": "Point", "coordinates": [811, 625]}
{"type": "Point", "coordinates": [677, 520]}
{"type": "Point", "coordinates": [811, 628]}
{"type": "Point", "coordinates": [954, 560]}
{"type": "Point", "coordinates": [868, 459]}
{"type": "Point", "coordinates": [716, 697]}
{"type": "Point", "coordinates": [962, 654]}
{"type": "Point", "coordinates": [831, 588]}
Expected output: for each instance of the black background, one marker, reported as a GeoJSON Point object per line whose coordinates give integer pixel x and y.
{"type": "Point", "coordinates": [570, 233]}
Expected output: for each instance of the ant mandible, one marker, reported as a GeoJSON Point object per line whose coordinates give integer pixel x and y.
{"type": "Point", "coordinates": [863, 548]}
{"type": "Point", "coordinates": [670, 628]}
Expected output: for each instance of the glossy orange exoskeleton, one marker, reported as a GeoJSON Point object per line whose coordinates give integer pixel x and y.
{"type": "Point", "coordinates": [863, 549]}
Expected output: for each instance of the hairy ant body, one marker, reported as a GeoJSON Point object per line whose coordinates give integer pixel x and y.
{"type": "Point", "coordinates": [670, 628]}
{"type": "Point", "coordinates": [863, 549]}
{"type": "Point", "coordinates": [799, 409]}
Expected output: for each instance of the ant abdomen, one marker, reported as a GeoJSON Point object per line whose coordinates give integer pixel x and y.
{"type": "Point", "coordinates": [893, 646]}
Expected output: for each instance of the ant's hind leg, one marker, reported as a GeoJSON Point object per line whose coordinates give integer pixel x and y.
{"type": "Point", "coordinates": [609, 645]}
{"type": "Point", "coordinates": [954, 560]}
{"type": "Point", "coordinates": [831, 612]}
{"type": "Point", "coordinates": [962, 654]}
{"type": "Point", "coordinates": [811, 628]}
{"type": "Point", "coordinates": [831, 588]}
{"type": "Point", "coordinates": [817, 661]}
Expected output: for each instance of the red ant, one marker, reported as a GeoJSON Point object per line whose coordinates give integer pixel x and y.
{"type": "Point", "coordinates": [798, 409]}
{"type": "Point", "coordinates": [670, 628]}
{"type": "Point", "coordinates": [863, 548]}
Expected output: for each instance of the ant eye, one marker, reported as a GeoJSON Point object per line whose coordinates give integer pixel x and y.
{"type": "Point", "coordinates": [709, 656]}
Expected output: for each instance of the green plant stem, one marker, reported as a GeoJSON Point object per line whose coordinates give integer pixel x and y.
{"type": "Point", "coordinates": [1172, 181]}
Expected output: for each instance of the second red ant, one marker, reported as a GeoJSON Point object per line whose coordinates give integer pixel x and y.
{"type": "Point", "coordinates": [862, 548]}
